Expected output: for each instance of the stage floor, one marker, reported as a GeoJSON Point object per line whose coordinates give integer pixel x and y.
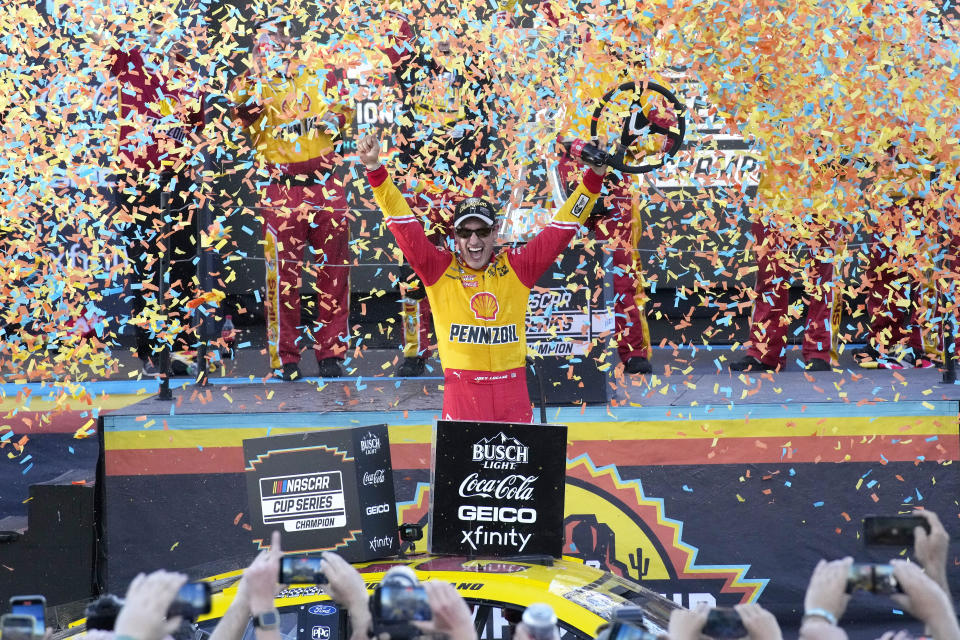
{"type": "Point", "coordinates": [682, 377]}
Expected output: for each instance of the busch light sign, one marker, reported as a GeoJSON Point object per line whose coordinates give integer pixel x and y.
{"type": "Point", "coordinates": [497, 489]}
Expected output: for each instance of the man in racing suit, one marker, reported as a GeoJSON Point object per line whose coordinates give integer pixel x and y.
{"type": "Point", "coordinates": [444, 138]}
{"type": "Point", "coordinates": [294, 108]}
{"type": "Point", "coordinates": [479, 299]}
{"type": "Point", "coordinates": [159, 107]}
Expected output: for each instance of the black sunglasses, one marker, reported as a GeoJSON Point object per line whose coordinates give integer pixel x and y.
{"type": "Point", "coordinates": [482, 232]}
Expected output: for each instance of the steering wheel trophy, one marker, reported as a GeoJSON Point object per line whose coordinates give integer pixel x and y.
{"type": "Point", "coordinates": [636, 124]}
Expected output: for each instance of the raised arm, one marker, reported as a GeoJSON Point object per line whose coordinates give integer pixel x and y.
{"type": "Point", "coordinates": [532, 259]}
{"type": "Point", "coordinates": [428, 260]}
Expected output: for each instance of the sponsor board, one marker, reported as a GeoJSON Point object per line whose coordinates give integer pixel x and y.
{"type": "Point", "coordinates": [560, 322]}
{"type": "Point", "coordinates": [326, 489]}
{"type": "Point", "coordinates": [499, 489]}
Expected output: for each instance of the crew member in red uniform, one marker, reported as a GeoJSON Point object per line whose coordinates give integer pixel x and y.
{"type": "Point", "coordinates": [479, 298]}
{"type": "Point", "coordinates": [295, 109]}
{"type": "Point", "coordinates": [159, 106]}
{"type": "Point", "coordinates": [444, 137]}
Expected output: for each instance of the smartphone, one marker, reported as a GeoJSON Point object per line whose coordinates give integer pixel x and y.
{"type": "Point", "coordinates": [628, 631]}
{"type": "Point", "coordinates": [892, 530]}
{"type": "Point", "coordinates": [724, 623]}
{"type": "Point", "coordinates": [17, 626]}
{"type": "Point", "coordinates": [875, 578]}
{"type": "Point", "coordinates": [31, 606]}
{"type": "Point", "coordinates": [192, 601]}
{"type": "Point", "coordinates": [301, 570]}
{"type": "Point", "coordinates": [398, 603]}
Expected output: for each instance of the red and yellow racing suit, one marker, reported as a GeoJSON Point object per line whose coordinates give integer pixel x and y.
{"type": "Point", "coordinates": [480, 315]}
{"type": "Point", "coordinates": [304, 204]}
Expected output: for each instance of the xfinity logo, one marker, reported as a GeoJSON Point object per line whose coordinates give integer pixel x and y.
{"type": "Point", "coordinates": [384, 542]}
{"type": "Point", "coordinates": [500, 452]}
{"type": "Point", "coordinates": [374, 478]}
{"type": "Point", "coordinates": [378, 508]}
{"type": "Point", "coordinates": [370, 444]}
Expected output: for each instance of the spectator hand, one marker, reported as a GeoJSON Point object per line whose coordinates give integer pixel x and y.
{"type": "Point", "coordinates": [259, 583]}
{"type": "Point", "coordinates": [827, 588]}
{"type": "Point", "coordinates": [368, 150]}
{"type": "Point", "coordinates": [346, 587]}
{"type": "Point", "coordinates": [451, 616]}
{"type": "Point", "coordinates": [925, 600]}
{"type": "Point", "coordinates": [688, 624]}
{"type": "Point", "coordinates": [344, 583]}
{"type": "Point", "coordinates": [760, 623]}
{"type": "Point", "coordinates": [896, 635]}
{"type": "Point", "coordinates": [930, 549]}
{"type": "Point", "coordinates": [144, 613]}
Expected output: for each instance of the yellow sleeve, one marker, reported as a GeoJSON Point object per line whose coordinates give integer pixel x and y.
{"type": "Point", "coordinates": [578, 206]}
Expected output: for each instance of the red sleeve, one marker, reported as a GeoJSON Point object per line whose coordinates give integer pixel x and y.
{"type": "Point", "coordinates": [427, 259]}
{"type": "Point", "coordinates": [533, 258]}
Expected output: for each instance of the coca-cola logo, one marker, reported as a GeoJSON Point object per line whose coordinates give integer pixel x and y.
{"type": "Point", "coordinates": [512, 487]}
{"type": "Point", "coordinates": [374, 477]}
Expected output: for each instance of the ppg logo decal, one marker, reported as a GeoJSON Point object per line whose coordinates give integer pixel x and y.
{"type": "Point", "coordinates": [320, 633]}
{"type": "Point", "coordinates": [322, 610]}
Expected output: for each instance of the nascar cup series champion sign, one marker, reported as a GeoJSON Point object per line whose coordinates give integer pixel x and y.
{"type": "Point", "coordinates": [326, 490]}
{"type": "Point", "coordinates": [497, 489]}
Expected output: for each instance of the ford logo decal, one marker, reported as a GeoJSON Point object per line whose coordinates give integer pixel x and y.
{"type": "Point", "coordinates": [322, 610]}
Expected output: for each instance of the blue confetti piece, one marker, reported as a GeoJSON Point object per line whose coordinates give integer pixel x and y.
{"type": "Point", "coordinates": [687, 489]}
{"type": "Point", "coordinates": [818, 504]}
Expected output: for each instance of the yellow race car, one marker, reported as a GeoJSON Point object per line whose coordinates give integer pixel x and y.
{"type": "Point", "coordinates": [497, 589]}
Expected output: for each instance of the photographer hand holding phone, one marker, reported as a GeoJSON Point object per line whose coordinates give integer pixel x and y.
{"type": "Point", "coordinates": [346, 587]}
{"type": "Point", "coordinates": [925, 600]}
{"type": "Point", "coordinates": [144, 613]}
{"type": "Point", "coordinates": [930, 547]}
{"type": "Point", "coordinates": [451, 615]}
{"type": "Point", "coordinates": [826, 598]}
{"type": "Point", "coordinates": [255, 596]}
{"type": "Point", "coordinates": [759, 623]}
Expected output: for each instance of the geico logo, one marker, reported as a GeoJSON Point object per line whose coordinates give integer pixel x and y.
{"type": "Point", "coordinates": [553, 299]}
{"type": "Point", "coordinates": [497, 514]}
{"type": "Point", "coordinates": [378, 508]}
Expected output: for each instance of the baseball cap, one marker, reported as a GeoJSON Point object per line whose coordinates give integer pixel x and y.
{"type": "Point", "coordinates": [475, 208]}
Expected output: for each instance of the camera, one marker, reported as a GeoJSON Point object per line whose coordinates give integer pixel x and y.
{"type": "Point", "coordinates": [724, 623]}
{"type": "Point", "coordinates": [892, 530]}
{"type": "Point", "coordinates": [192, 601]}
{"type": "Point", "coordinates": [397, 602]}
{"type": "Point", "coordinates": [17, 626]}
{"type": "Point", "coordinates": [875, 578]}
{"type": "Point", "coordinates": [301, 569]}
